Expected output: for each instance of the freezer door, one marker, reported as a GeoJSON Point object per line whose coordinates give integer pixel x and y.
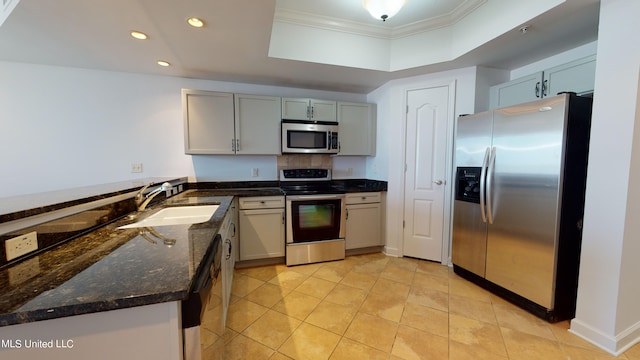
{"type": "Point", "coordinates": [522, 240]}
{"type": "Point", "coordinates": [469, 246]}
{"type": "Point", "coordinates": [469, 237]}
{"type": "Point", "coordinates": [473, 137]}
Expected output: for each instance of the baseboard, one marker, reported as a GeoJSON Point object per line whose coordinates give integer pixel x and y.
{"type": "Point", "coordinates": [259, 262]}
{"type": "Point", "coordinates": [363, 251]}
{"type": "Point", "coordinates": [615, 345]}
{"type": "Point", "coordinates": [395, 252]}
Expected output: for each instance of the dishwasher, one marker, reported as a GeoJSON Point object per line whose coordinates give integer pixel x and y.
{"type": "Point", "coordinates": [203, 298]}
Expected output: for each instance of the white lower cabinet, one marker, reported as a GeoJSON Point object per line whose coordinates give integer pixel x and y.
{"type": "Point", "coordinates": [364, 219]}
{"type": "Point", "coordinates": [261, 227]}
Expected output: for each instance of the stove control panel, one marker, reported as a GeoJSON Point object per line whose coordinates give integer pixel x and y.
{"type": "Point", "coordinates": [305, 174]}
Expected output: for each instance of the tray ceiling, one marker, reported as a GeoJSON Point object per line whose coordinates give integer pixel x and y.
{"type": "Point", "coordinates": [235, 43]}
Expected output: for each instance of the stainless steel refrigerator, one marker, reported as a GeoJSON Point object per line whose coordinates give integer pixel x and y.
{"type": "Point", "coordinates": [519, 200]}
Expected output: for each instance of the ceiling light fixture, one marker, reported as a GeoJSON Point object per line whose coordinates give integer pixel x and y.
{"type": "Point", "coordinates": [163, 63]}
{"type": "Point", "coordinates": [195, 22]}
{"type": "Point", "coordinates": [383, 9]}
{"type": "Point", "coordinates": [138, 35]}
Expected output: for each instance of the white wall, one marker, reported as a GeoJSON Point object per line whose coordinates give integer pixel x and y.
{"type": "Point", "coordinates": [607, 312]}
{"type": "Point", "coordinates": [558, 59]}
{"type": "Point", "coordinates": [389, 161]}
{"type": "Point", "coordinates": [63, 128]}
{"type": "Point", "coordinates": [392, 50]}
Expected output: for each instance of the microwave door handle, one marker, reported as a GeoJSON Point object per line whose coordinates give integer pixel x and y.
{"type": "Point", "coordinates": [329, 140]}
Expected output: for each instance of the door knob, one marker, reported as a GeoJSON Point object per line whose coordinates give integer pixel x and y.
{"type": "Point", "coordinates": [438, 182]}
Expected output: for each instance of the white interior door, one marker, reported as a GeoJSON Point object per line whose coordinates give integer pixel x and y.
{"type": "Point", "coordinates": [428, 116]}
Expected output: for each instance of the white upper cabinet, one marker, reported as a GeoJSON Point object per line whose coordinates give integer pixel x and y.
{"type": "Point", "coordinates": [576, 76]}
{"type": "Point", "coordinates": [518, 91]}
{"type": "Point", "coordinates": [257, 124]}
{"type": "Point", "coordinates": [357, 128]}
{"type": "Point", "coordinates": [208, 122]}
{"type": "Point", "coordinates": [225, 123]}
{"type": "Point", "coordinates": [308, 109]}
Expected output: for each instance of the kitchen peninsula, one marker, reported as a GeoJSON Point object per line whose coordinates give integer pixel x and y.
{"type": "Point", "coordinates": [109, 292]}
{"type": "Point", "coordinates": [124, 290]}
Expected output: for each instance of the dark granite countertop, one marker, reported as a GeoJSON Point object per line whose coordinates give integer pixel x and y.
{"type": "Point", "coordinates": [271, 188]}
{"type": "Point", "coordinates": [111, 268]}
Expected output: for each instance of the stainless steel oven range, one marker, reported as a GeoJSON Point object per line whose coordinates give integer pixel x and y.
{"type": "Point", "coordinates": [315, 217]}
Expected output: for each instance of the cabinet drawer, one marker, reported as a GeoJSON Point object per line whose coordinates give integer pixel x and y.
{"type": "Point", "coordinates": [362, 198]}
{"type": "Point", "coordinates": [262, 202]}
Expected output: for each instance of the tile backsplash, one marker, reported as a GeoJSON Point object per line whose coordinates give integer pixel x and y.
{"type": "Point", "coordinates": [304, 161]}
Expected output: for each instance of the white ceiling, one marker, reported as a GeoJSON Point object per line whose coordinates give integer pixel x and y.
{"type": "Point", "coordinates": [234, 44]}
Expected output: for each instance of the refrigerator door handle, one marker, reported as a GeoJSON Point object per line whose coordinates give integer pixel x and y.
{"type": "Point", "coordinates": [489, 191]}
{"type": "Point", "coordinates": [483, 174]}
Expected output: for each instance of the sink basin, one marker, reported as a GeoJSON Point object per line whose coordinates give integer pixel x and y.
{"type": "Point", "coordinates": [176, 215]}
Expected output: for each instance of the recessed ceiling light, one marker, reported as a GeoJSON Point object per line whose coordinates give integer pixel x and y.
{"type": "Point", "coordinates": [163, 63]}
{"type": "Point", "coordinates": [139, 35]}
{"type": "Point", "coordinates": [195, 22]}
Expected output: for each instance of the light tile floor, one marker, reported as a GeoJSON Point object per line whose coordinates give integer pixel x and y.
{"type": "Point", "coordinates": [379, 307]}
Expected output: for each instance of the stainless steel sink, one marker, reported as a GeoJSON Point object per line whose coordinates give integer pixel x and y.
{"type": "Point", "coordinates": [176, 215]}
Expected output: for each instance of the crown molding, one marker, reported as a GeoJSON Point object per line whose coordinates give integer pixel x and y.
{"type": "Point", "coordinates": [378, 31]}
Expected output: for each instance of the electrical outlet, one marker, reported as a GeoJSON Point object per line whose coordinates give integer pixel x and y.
{"type": "Point", "coordinates": [254, 172]}
{"type": "Point", "coordinates": [136, 167]}
{"type": "Point", "coordinates": [24, 271]}
{"type": "Point", "coordinates": [21, 245]}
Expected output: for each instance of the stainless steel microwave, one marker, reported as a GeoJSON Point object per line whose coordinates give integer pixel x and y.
{"type": "Point", "coordinates": [310, 137]}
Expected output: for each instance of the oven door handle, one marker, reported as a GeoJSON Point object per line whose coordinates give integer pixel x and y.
{"type": "Point", "coordinates": [315, 197]}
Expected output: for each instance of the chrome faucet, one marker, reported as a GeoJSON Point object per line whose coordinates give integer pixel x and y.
{"type": "Point", "coordinates": [142, 201]}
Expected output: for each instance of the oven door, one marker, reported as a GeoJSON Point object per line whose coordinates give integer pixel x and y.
{"type": "Point", "coordinates": [315, 218]}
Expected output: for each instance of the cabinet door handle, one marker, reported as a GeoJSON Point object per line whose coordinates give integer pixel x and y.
{"type": "Point", "coordinates": [347, 214]}
{"type": "Point", "coordinates": [233, 145]}
{"type": "Point", "coordinates": [545, 87]}
{"type": "Point", "coordinates": [538, 89]}
{"type": "Point", "coordinates": [283, 219]}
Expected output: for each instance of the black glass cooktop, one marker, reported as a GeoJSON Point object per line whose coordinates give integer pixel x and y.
{"type": "Point", "coordinates": [311, 188]}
